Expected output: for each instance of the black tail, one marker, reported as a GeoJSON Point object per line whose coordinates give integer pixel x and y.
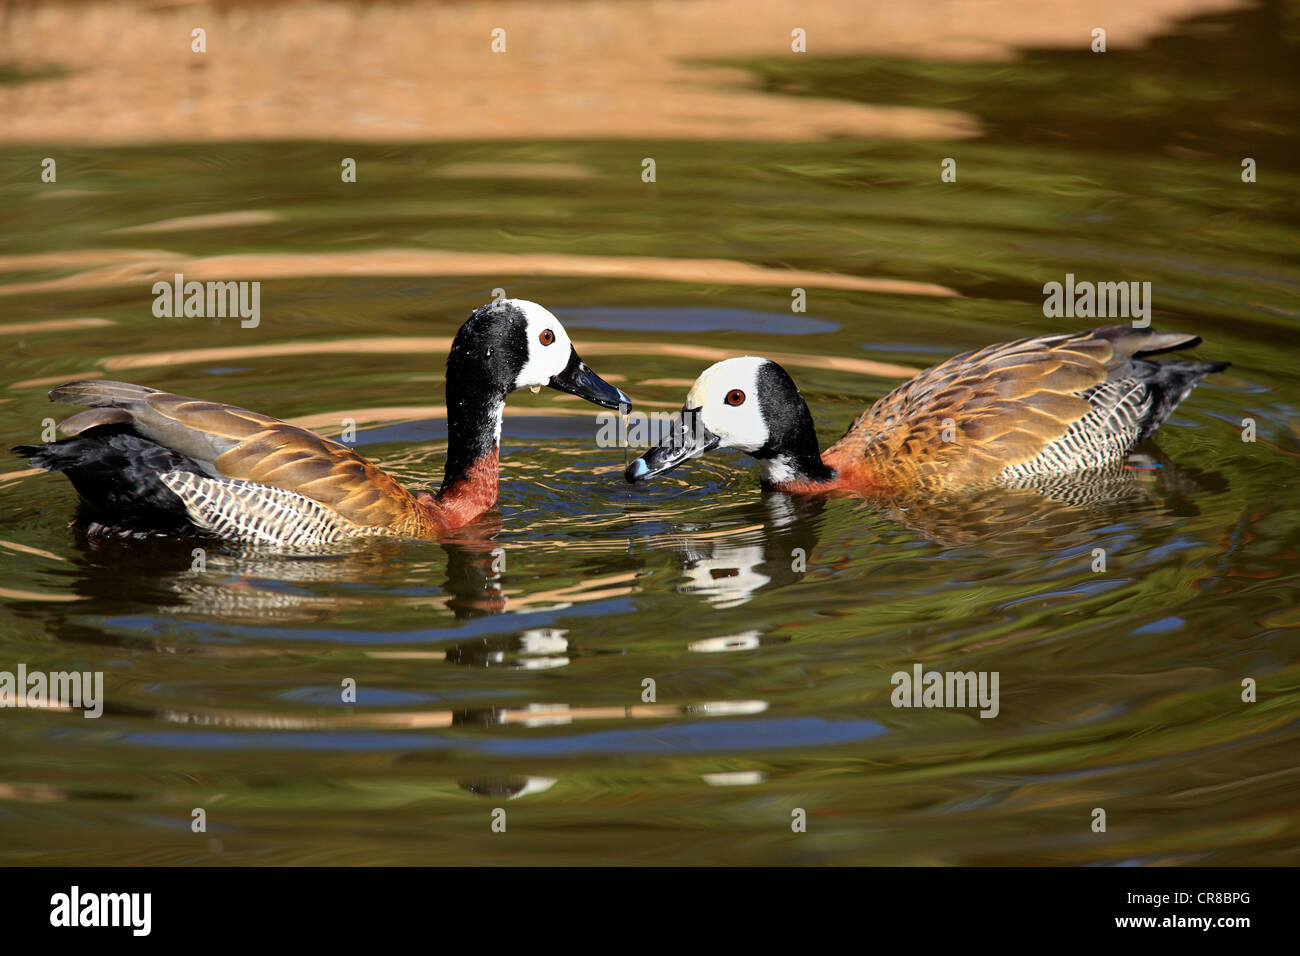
{"type": "Point", "coordinates": [116, 473]}
{"type": "Point", "coordinates": [56, 456]}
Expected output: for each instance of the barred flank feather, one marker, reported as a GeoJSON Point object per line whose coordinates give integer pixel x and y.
{"type": "Point", "coordinates": [1101, 437]}
{"type": "Point", "coordinates": [133, 435]}
{"type": "Point", "coordinates": [1038, 406]}
{"type": "Point", "coordinates": [260, 514]}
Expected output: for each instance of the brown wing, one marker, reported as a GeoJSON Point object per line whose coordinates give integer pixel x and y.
{"type": "Point", "coordinates": [230, 442]}
{"type": "Point", "coordinates": [966, 420]}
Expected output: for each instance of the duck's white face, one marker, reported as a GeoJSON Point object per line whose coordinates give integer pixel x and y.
{"type": "Point", "coordinates": [750, 404]}
{"type": "Point", "coordinates": [724, 408]}
{"type": "Point", "coordinates": [549, 348]}
{"type": "Point", "coordinates": [727, 397]}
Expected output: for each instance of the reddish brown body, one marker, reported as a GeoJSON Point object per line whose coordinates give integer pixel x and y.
{"type": "Point", "coordinates": [321, 477]}
{"type": "Point", "coordinates": [1048, 404]}
{"type": "Point", "coordinates": [146, 461]}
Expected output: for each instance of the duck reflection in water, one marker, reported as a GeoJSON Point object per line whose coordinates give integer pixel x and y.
{"type": "Point", "coordinates": [1040, 511]}
{"type": "Point", "coordinates": [769, 548]}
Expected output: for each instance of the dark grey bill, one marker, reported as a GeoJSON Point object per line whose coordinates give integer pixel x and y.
{"type": "Point", "coordinates": [577, 379]}
{"type": "Point", "coordinates": [689, 439]}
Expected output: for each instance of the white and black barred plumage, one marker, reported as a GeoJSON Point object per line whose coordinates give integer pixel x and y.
{"type": "Point", "coordinates": [1123, 412]}
{"type": "Point", "coordinates": [260, 514]}
{"type": "Point", "coordinates": [1048, 405]}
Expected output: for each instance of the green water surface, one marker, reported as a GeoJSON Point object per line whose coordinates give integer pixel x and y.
{"type": "Point", "coordinates": [511, 674]}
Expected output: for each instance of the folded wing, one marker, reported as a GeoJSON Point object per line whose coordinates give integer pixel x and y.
{"type": "Point", "coordinates": [1033, 406]}
{"type": "Point", "coordinates": [243, 446]}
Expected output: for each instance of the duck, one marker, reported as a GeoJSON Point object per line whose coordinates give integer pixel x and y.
{"type": "Point", "coordinates": [1003, 414]}
{"type": "Point", "coordinates": [147, 462]}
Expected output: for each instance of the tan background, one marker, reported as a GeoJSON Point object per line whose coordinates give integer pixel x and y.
{"type": "Point", "coordinates": [425, 71]}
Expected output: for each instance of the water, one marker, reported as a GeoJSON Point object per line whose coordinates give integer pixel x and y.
{"type": "Point", "coordinates": [506, 667]}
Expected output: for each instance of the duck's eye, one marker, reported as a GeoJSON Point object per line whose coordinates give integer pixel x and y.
{"type": "Point", "coordinates": [547, 337]}
{"type": "Point", "coordinates": [735, 397]}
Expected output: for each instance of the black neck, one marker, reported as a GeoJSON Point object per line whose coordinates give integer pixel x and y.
{"type": "Point", "coordinates": [474, 408]}
{"type": "Point", "coordinates": [485, 357]}
{"type": "Point", "coordinates": [792, 436]}
{"type": "Point", "coordinates": [798, 455]}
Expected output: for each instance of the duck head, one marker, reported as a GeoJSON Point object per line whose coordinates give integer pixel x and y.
{"type": "Point", "coordinates": [512, 344]}
{"type": "Point", "coordinates": [747, 403]}
{"type": "Point", "coordinates": [502, 347]}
